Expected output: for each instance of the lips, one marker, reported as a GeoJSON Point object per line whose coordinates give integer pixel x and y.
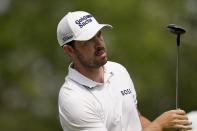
{"type": "Point", "coordinates": [100, 51]}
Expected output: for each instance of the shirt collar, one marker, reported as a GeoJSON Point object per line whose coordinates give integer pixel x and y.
{"type": "Point", "coordinates": [85, 81]}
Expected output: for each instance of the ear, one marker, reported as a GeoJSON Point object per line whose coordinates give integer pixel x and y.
{"type": "Point", "coordinates": [68, 50]}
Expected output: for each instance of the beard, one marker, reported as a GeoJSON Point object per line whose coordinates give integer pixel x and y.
{"type": "Point", "coordinates": [91, 62]}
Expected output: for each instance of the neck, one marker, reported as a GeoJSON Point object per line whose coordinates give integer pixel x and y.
{"type": "Point", "coordinates": [95, 74]}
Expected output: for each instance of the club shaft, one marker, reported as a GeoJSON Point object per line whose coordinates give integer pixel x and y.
{"type": "Point", "coordinates": [177, 77]}
{"type": "Point", "coordinates": [177, 71]}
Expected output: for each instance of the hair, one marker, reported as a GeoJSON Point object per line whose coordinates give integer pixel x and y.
{"type": "Point", "coordinates": [71, 43]}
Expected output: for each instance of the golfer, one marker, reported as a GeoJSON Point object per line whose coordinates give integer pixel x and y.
{"type": "Point", "coordinates": [99, 95]}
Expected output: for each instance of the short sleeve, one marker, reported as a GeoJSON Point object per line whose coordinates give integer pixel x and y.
{"type": "Point", "coordinates": [79, 114]}
{"type": "Point", "coordinates": [122, 71]}
{"type": "Point", "coordinates": [131, 86]}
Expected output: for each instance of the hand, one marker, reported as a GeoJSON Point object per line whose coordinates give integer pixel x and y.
{"type": "Point", "coordinates": [173, 119]}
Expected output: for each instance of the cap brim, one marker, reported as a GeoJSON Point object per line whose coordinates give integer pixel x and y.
{"type": "Point", "coordinates": [91, 32]}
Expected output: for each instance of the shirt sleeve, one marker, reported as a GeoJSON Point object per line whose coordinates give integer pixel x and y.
{"type": "Point", "coordinates": [79, 114]}
{"type": "Point", "coordinates": [131, 86]}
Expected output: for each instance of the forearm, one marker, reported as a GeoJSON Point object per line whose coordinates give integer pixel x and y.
{"type": "Point", "coordinates": [152, 127]}
{"type": "Point", "coordinates": [144, 121]}
{"type": "Point", "coordinates": [170, 120]}
{"type": "Point", "coordinates": [147, 125]}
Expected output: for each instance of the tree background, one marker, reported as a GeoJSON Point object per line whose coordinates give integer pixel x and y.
{"type": "Point", "coordinates": [33, 66]}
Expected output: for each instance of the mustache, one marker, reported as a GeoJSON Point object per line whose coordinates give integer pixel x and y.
{"type": "Point", "coordinates": [100, 48]}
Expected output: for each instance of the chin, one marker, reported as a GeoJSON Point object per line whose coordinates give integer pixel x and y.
{"type": "Point", "coordinates": [103, 62]}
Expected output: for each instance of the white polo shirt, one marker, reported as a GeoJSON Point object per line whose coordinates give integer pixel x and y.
{"type": "Point", "coordinates": [86, 105]}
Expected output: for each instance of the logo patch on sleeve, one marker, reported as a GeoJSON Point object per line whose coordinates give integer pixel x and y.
{"type": "Point", "coordinates": [126, 92]}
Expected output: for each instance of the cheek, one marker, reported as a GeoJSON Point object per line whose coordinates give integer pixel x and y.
{"type": "Point", "coordinates": [88, 50]}
{"type": "Point", "coordinates": [85, 53]}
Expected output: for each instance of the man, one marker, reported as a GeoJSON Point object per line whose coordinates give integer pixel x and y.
{"type": "Point", "coordinates": [98, 95]}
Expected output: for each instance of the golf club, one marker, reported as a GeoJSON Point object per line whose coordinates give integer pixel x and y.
{"type": "Point", "coordinates": [178, 30]}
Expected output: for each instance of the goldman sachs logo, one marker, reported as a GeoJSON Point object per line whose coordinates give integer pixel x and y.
{"type": "Point", "coordinates": [84, 21]}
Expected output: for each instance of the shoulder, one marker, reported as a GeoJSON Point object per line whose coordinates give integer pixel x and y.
{"type": "Point", "coordinates": [119, 71]}
{"type": "Point", "coordinates": [113, 66]}
{"type": "Point", "coordinates": [75, 106]}
{"type": "Point", "coordinates": [79, 109]}
{"type": "Point", "coordinates": [75, 99]}
{"type": "Point", "coordinates": [71, 91]}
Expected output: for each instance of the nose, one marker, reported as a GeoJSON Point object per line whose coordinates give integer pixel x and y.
{"type": "Point", "coordinates": [98, 40]}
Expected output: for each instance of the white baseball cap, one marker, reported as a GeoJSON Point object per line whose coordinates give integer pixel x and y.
{"type": "Point", "coordinates": [78, 25]}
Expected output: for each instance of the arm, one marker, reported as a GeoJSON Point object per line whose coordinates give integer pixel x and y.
{"type": "Point", "coordinates": [144, 121]}
{"type": "Point", "coordinates": [174, 119]}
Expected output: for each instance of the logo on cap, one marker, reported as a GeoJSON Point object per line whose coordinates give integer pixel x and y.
{"type": "Point", "coordinates": [84, 21]}
{"type": "Point", "coordinates": [65, 38]}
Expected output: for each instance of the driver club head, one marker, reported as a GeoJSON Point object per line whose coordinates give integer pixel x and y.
{"type": "Point", "coordinates": [176, 29]}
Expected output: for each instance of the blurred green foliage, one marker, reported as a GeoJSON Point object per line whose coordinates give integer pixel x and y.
{"type": "Point", "coordinates": [33, 66]}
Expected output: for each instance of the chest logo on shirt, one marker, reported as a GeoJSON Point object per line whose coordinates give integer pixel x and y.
{"type": "Point", "coordinates": [126, 92]}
